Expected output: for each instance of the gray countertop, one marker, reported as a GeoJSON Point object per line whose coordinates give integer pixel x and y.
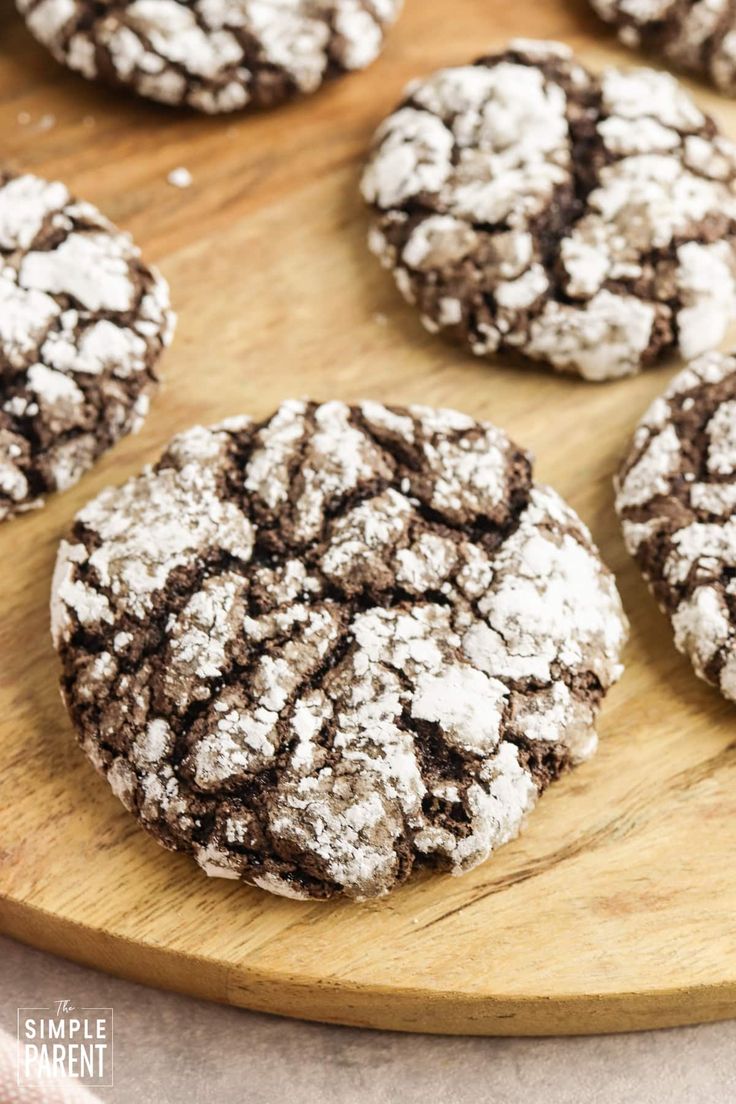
{"type": "Point", "coordinates": [171, 1048]}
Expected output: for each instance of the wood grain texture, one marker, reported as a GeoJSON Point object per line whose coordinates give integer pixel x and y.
{"type": "Point", "coordinates": [615, 908]}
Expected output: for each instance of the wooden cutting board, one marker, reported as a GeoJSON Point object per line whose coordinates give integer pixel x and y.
{"type": "Point", "coordinates": [615, 909]}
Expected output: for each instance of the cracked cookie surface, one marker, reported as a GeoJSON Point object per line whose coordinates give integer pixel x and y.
{"type": "Point", "coordinates": [317, 651]}
{"type": "Point", "coordinates": [213, 55]}
{"type": "Point", "coordinates": [695, 35]}
{"type": "Point", "coordinates": [676, 497]}
{"type": "Point", "coordinates": [82, 324]}
{"type": "Point", "coordinates": [529, 207]}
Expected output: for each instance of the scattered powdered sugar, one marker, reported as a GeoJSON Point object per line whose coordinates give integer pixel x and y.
{"type": "Point", "coordinates": [310, 650]}
{"type": "Point", "coordinates": [180, 177]}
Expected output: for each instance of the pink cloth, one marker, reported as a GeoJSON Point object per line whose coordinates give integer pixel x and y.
{"type": "Point", "coordinates": [35, 1092]}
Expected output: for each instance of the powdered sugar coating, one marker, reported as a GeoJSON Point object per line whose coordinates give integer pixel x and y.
{"type": "Point", "coordinates": [82, 324]}
{"type": "Point", "coordinates": [527, 206]}
{"type": "Point", "coordinates": [696, 35]}
{"type": "Point", "coordinates": [316, 651]}
{"type": "Point", "coordinates": [213, 55]}
{"type": "Point", "coordinates": [676, 496]}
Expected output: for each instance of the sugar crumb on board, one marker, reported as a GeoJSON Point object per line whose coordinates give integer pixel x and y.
{"type": "Point", "coordinates": [180, 177]}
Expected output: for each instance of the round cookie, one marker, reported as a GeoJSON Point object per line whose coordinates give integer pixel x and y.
{"type": "Point", "coordinates": [676, 497]}
{"type": "Point", "coordinates": [528, 207]}
{"type": "Point", "coordinates": [213, 55]}
{"type": "Point", "coordinates": [319, 650]}
{"type": "Point", "coordinates": [82, 323]}
{"type": "Point", "coordinates": [696, 35]}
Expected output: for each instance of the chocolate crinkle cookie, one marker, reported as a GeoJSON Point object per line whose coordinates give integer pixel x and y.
{"type": "Point", "coordinates": [319, 650]}
{"type": "Point", "coordinates": [82, 323]}
{"type": "Point", "coordinates": [526, 206]}
{"type": "Point", "coordinates": [696, 35]}
{"type": "Point", "coordinates": [676, 497]}
{"type": "Point", "coordinates": [213, 55]}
